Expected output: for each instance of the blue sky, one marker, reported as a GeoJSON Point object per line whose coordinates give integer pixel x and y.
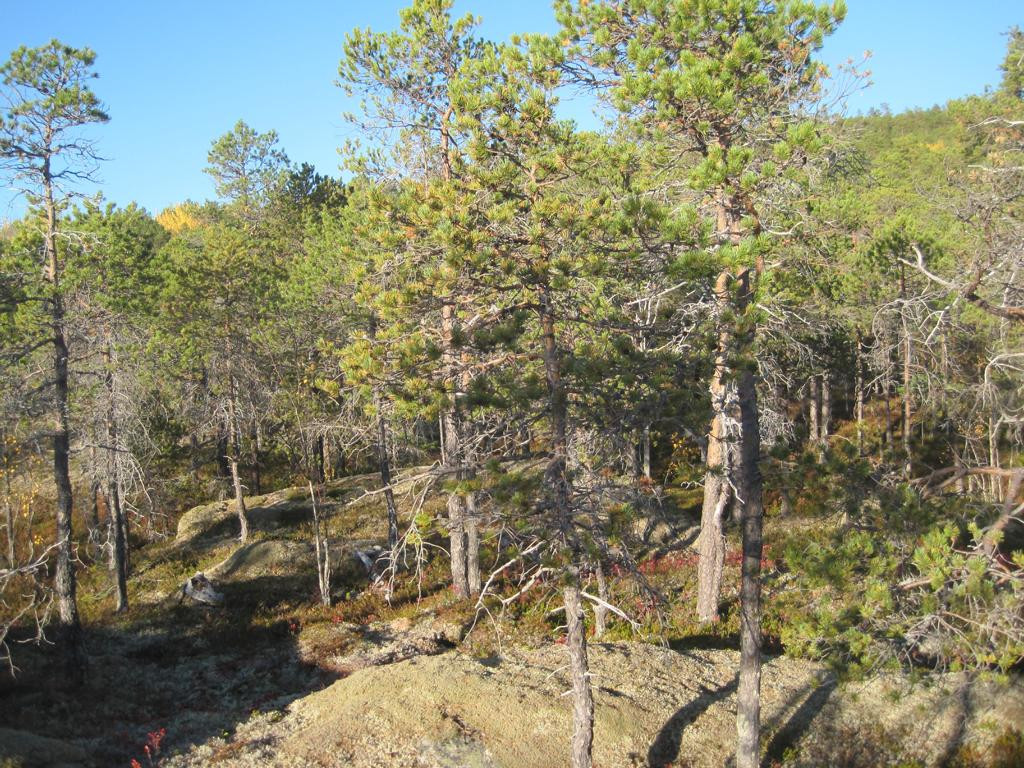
{"type": "Point", "coordinates": [174, 76]}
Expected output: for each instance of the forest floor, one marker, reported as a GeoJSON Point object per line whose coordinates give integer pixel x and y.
{"type": "Point", "coordinates": [273, 678]}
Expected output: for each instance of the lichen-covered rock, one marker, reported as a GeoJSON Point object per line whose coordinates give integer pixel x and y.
{"type": "Point", "coordinates": [199, 521]}
{"type": "Point", "coordinates": [654, 707]}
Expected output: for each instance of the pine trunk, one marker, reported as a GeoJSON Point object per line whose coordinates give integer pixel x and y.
{"type": "Point", "coordinates": [748, 700]}
{"type": "Point", "coordinates": [384, 464]}
{"type": "Point", "coordinates": [457, 543]}
{"type": "Point", "coordinates": [257, 450]}
{"type": "Point", "coordinates": [69, 628]}
{"type": "Point", "coordinates": [583, 700]}
{"type": "Point", "coordinates": [748, 480]}
{"type": "Point", "coordinates": [473, 546]}
{"type": "Point", "coordinates": [559, 494]}
{"type": "Point", "coordinates": [95, 548]}
{"type": "Point", "coordinates": [453, 452]}
{"type": "Point", "coordinates": [384, 461]}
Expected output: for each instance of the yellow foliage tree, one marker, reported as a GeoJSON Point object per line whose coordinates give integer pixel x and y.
{"type": "Point", "coordinates": [178, 218]}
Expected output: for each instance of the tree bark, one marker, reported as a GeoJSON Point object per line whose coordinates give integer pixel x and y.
{"type": "Point", "coordinates": [233, 441]}
{"type": "Point", "coordinates": [560, 497]}
{"type": "Point", "coordinates": [321, 544]}
{"type": "Point", "coordinates": [223, 448]}
{"type": "Point", "coordinates": [600, 611]}
{"type": "Point", "coordinates": [825, 422]}
{"type": "Point", "coordinates": [813, 409]}
{"type": "Point", "coordinates": [888, 410]}
{"type": "Point", "coordinates": [473, 545]}
{"type": "Point", "coordinates": [629, 457]}
{"type": "Point", "coordinates": [859, 386]}
{"type": "Point", "coordinates": [457, 543]}
{"type": "Point", "coordinates": [8, 509]}
{"type": "Point", "coordinates": [114, 510]}
{"type": "Point", "coordinates": [748, 701]}
{"type": "Point", "coordinates": [384, 461]}
{"type": "Point", "coordinates": [583, 700]}
{"type": "Point", "coordinates": [451, 429]}
{"type": "Point", "coordinates": [318, 460]}
{"type": "Point", "coordinates": [95, 548]}
{"type": "Point", "coordinates": [257, 452]}
{"type": "Point", "coordinates": [717, 493]}
{"type": "Point", "coordinates": [69, 628]}
{"type": "Point", "coordinates": [907, 404]}
{"type": "Point", "coordinates": [647, 451]}
{"type": "Point", "coordinates": [906, 350]}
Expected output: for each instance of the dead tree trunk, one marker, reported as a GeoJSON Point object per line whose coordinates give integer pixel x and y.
{"type": "Point", "coordinates": [223, 449]}
{"type": "Point", "coordinates": [859, 387]}
{"type": "Point", "coordinates": [234, 448]}
{"type": "Point", "coordinates": [321, 544]}
{"type": "Point", "coordinates": [888, 409]}
{"type": "Point", "coordinates": [118, 560]}
{"type": "Point", "coordinates": [825, 420]}
{"type": "Point", "coordinates": [813, 411]}
{"type": "Point", "coordinates": [717, 491]}
{"type": "Point", "coordinates": [907, 404]}
{"type": "Point", "coordinates": [600, 610]}
{"type": "Point", "coordinates": [8, 509]}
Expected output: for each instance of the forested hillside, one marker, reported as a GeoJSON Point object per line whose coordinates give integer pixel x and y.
{"type": "Point", "coordinates": [736, 372]}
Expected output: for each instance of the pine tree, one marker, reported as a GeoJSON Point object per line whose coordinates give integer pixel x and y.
{"type": "Point", "coordinates": [723, 82]}
{"type": "Point", "coordinates": [408, 79]}
{"type": "Point", "coordinates": [48, 101]}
